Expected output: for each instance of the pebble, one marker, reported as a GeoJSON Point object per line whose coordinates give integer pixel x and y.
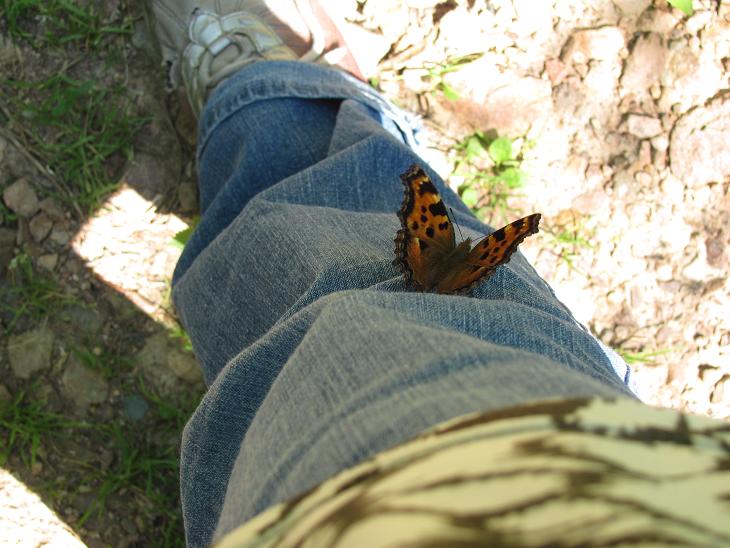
{"type": "Point", "coordinates": [135, 407]}
{"type": "Point", "coordinates": [30, 352]}
{"type": "Point", "coordinates": [660, 142]}
{"type": "Point", "coordinates": [700, 148]}
{"type": "Point", "coordinates": [81, 385]}
{"type": "Point", "coordinates": [657, 20]}
{"type": "Point", "coordinates": [664, 273]}
{"type": "Point", "coordinates": [632, 7]}
{"type": "Point", "coordinates": [8, 237]}
{"type": "Point", "coordinates": [52, 209]}
{"type": "Point", "coordinates": [721, 391]}
{"type": "Point", "coordinates": [601, 44]}
{"type": "Point", "coordinates": [48, 261]}
{"type": "Point", "coordinates": [644, 127]}
{"type": "Point", "coordinates": [21, 198]}
{"type": "Point", "coordinates": [645, 65]}
{"type": "Point", "coordinates": [60, 236]}
{"type": "Point", "coordinates": [187, 195]}
{"type": "Point", "coordinates": [40, 226]}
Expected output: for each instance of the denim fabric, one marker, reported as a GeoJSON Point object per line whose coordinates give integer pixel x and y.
{"type": "Point", "coordinates": [315, 353]}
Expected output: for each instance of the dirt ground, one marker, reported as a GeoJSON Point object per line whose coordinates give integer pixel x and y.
{"type": "Point", "coordinates": [620, 111]}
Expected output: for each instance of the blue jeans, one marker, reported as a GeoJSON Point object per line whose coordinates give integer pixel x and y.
{"type": "Point", "coordinates": [315, 353]}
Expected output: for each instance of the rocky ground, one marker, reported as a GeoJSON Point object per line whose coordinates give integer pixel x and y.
{"type": "Point", "coordinates": [620, 110]}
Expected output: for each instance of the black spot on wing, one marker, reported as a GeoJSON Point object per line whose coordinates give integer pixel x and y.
{"type": "Point", "coordinates": [444, 225]}
{"type": "Point", "coordinates": [426, 187]}
{"type": "Point", "coordinates": [424, 219]}
{"type": "Point", "coordinates": [438, 208]}
{"type": "Point", "coordinates": [518, 224]}
{"type": "Point", "coordinates": [415, 225]}
{"type": "Point", "coordinates": [430, 232]}
{"type": "Point", "coordinates": [499, 235]}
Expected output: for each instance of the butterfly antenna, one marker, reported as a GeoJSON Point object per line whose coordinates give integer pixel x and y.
{"type": "Point", "coordinates": [457, 224]}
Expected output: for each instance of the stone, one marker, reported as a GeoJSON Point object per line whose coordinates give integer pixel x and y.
{"type": "Point", "coordinates": [699, 146]}
{"type": "Point", "coordinates": [7, 244]}
{"type": "Point", "coordinates": [660, 143]}
{"type": "Point", "coordinates": [40, 226]}
{"type": "Point", "coordinates": [632, 7]}
{"type": "Point", "coordinates": [48, 261]}
{"type": "Point", "coordinates": [644, 127]}
{"type": "Point", "coordinates": [517, 107]}
{"type": "Point", "coordinates": [165, 366]}
{"type": "Point", "coordinates": [21, 198]}
{"type": "Point", "coordinates": [52, 209]}
{"type": "Point", "coordinates": [30, 352]}
{"type": "Point", "coordinates": [721, 391]}
{"type": "Point", "coordinates": [135, 407]}
{"type": "Point", "coordinates": [645, 65]}
{"type": "Point", "coordinates": [715, 249]}
{"type": "Point", "coordinates": [184, 366]}
{"type": "Point", "coordinates": [60, 236]}
{"type": "Point", "coordinates": [84, 320]}
{"type": "Point", "coordinates": [591, 202]}
{"type": "Point", "coordinates": [657, 20]}
{"type": "Point", "coordinates": [82, 385]}
{"type": "Point", "coordinates": [601, 44]}
{"type": "Point", "coordinates": [187, 195]}
{"type": "Point", "coordinates": [690, 78]}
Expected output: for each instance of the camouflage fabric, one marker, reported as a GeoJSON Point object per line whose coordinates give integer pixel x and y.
{"type": "Point", "coordinates": [562, 473]}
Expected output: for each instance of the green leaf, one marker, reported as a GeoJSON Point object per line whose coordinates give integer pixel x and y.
{"type": "Point", "coordinates": [684, 6]}
{"type": "Point", "coordinates": [470, 196]}
{"type": "Point", "coordinates": [513, 177]}
{"type": "Point", "coordinates": [500, 150]}
{"type": "Point", "coordinates": [181, 238]}
{"type": "Point", "coordinates": [474, 147]}
{"type": "Point", "coordinates": [450, 93]}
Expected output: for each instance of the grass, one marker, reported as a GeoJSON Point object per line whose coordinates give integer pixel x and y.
{"type": "Point", "coordinates": [568, 241]}
{"type": "Point", "coordinates": [69, 113]}
{"type": "Point", "coordinates": [146, 464]}
{"type": "Point", "coordinates": [644, 357]}
{"type": "Point", "coordinates": [436, 73]}
{"type": "Point", "coordinates": [491, 168]}
{"type": "Point", "coordinates": [25, 424]}
{"type": "Point", "coordinates": [101, 359]}
{"type": "Point", "coordinates": [55, 23]}
{"type": "Point", "coordinates": [29, 294]}
{"type": "Point", "coordinates": [80, 129]}
{"type": "Point", "coordinates": [145, 461]}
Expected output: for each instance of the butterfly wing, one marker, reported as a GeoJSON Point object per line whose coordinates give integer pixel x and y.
{"type": "Point", "coordinates": [427, 235]}
{"type": "Point", "coordinates": [493, 251]}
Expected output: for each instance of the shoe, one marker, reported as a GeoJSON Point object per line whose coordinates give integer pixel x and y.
{"type": "Point", "coordinates": [203, 42]}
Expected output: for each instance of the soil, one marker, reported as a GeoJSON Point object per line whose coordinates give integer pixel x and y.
{"type": "Point", "coordinates": [626, 110]}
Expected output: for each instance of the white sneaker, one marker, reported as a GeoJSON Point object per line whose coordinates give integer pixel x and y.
{"type": "Point", "coordinates": [206, 41]}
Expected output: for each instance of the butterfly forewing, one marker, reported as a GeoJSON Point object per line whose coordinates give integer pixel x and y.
{"type": "Point", "coordinates": [426, 235]}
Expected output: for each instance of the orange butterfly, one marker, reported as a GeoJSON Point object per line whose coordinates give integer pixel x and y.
{"type": "Point", "coordinates": [425, 246]}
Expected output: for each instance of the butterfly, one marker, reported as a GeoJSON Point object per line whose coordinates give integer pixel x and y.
{"type": "Point", "coordinates": [426, 249]}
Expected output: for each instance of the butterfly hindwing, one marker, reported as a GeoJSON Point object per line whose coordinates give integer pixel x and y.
{"type": "Point", "coordinates": [492, 252]}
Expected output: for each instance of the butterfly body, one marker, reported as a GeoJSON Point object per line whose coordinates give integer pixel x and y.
{"type": "Point", "coordinates": [426, 249]}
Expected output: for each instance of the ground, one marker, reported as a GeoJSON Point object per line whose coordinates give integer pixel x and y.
{"type": "Point", "coordinates": [611, 118]}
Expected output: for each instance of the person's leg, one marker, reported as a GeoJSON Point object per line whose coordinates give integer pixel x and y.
{"type": "Point", "coordinates": [316, 354]}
